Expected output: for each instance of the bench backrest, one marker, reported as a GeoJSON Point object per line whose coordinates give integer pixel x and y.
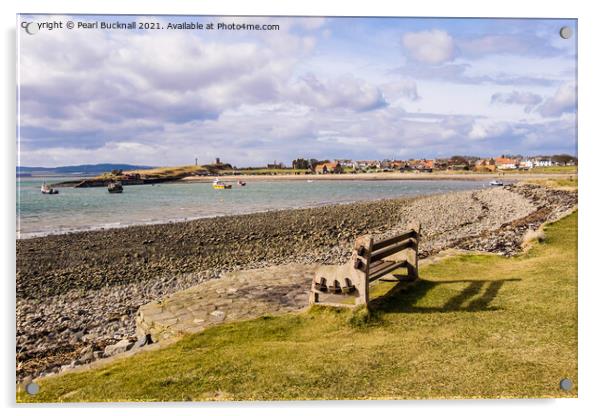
{"type": "Point", "coordinates": [367, 251]}
{"type": "Point", "coordinates": [370, 260]}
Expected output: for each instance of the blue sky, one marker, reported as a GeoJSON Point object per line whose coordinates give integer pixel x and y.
{"type": "Point", "coordinates": [364, 88]}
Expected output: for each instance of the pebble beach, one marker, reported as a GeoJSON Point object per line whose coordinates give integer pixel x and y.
{"type": "Point", "coordinates": [78, 293]}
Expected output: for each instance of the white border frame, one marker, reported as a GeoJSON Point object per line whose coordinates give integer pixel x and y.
{"type": "Point", "coordinates": [590, 32]}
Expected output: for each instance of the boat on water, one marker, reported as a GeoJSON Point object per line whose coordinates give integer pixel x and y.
{"type": "Point", "coordinates": [115, 188]}
{"type": "Point", "coordinates": [47, 190]}
{"type": "Point", "coordinates": [495, 182]}
{"type": "Point", "coordinates": [217, 184]}
{"type": "Point", "coordinates": [242, 183]}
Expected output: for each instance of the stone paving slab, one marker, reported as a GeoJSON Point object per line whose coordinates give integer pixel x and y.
{"type": "Point", "coordinates": [237, 295]}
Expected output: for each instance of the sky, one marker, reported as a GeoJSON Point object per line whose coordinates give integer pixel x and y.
{"type": "Point", "coordinates": [324, 88]}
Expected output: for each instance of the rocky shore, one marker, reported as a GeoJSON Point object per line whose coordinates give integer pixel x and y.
{"type": "Point", "coordinates": [77, 294]}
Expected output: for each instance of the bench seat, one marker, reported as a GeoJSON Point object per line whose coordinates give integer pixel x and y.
{"type": "Point", "coordinates": [370, 261]}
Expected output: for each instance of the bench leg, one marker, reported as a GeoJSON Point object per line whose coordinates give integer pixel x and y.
{"type": "Point", "coordinates": [413, 263]}
{"type": "Point", "coordinates": [363, 290]}
{"type": "Point", "coordinates": [413, 254]}
{"type": "Point", "coordinates": [362, 251]}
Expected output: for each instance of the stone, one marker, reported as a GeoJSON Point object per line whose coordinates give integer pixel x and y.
{"type": "Point", "coordinates": [121, 347]}
{"type": "Point", "coordinates": [87, 357]}
{"type": "Point", "coordinates": [78, 335]}
{"type": "Point", "coordinates": [143, 340]}
{"type": "Point", "coordinates": [218, 315]}
{"type": "Point", "coordinates": [462, 220]}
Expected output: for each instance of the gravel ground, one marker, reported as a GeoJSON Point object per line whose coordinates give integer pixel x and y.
{"type": "Point", "coordinates": [79, 292]}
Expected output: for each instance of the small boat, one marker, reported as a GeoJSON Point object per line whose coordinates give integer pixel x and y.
{"type": "Point", "coordinates": [47, 190]}
{"type": "Point", "coordinates": [242, 183]}
{"type": "Point", "coordinates": [309, 181]}
{"type": "Point", "coordinates": [496, 183]}
{"type": "Point", "coordinates": [217, 184]}
{"type": "Point", "coordinates": [115, 188]}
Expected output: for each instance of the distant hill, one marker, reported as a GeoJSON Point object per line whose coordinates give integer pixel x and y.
{"type": "Point", "coordinates": [82, 169]}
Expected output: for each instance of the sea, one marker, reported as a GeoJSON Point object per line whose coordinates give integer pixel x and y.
{"type": "Point", "coordinates": [79, 209]}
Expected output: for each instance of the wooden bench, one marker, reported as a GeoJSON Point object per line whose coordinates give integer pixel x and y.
{"type": "Point", "coordinates": [371, 260]}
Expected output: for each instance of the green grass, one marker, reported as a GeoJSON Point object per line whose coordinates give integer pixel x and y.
{"type": "Point", "coordinates": [161, 172]}
{"type": "Point", "coordinates": [478, 326]}
{"type": "Point", "coordinates": [554, 169]}
{"type": "Point", "coordinates": [537, 170]}
{"type": "Point", "coordinates": [562, 183]}
{"type": "Point", "coordinates": [177, 171]}
{"type": "Point", "coordinates": [265, 171]}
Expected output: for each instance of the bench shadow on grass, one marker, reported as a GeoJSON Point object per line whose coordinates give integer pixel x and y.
{"type": "Point", "coordinates": [476, 296]}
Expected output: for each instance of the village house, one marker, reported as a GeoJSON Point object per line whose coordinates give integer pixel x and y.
{"type": "Point", "coordinates": [524, 165]}
{"type": "Point", "coordinates": [328, 167]}
{"type": "Point", "coordinates": [367, 164]}
{"type": "Point", "coordinates": [275, 165]}
{"type": "Point", "coordinates": [345, 163]}
{"type": "Point", "coordinates": [458, 166]}
{"type": "Point", "coordinates": [539, 162]}
{"type": "Point", "coordinates": [506, 163]}
{"type": "Point", "coordinates": [423, 165]}
{"type": "Point", "coordinates": [485, 165]}
{"type": "Point", "coordinates": [385, 164]}
{"type": "Point", "coordinates": [388, 165]}
{"type": "Point", "coordinates": [396, 164]}
{"type": "Point", "coordinates": [441, 164]}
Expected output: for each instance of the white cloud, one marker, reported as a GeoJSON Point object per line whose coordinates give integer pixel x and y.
{"type": "Point", "coordinates": [167, 97]}
{"type": "Point", "coordinates": [563, 101]}
{"type": "Point", "coordinates": [108, 84]}
{"type": "Point", "coordinates": [432, 47]}
{"type": "Point", "coordinates": [405, 88]}
{"type": "Point", "coordinates": [528, 99]}
{"type": "Point", "coordinates": [345, 92]}
{"type": "Point", "coordinates": [485, 129]}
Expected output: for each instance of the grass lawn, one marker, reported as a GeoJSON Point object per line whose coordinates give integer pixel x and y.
{"type": "Point", "coordinates": [163, 172]}
{"type": "Point", "coordinates": [538, 170]}
{"type": "Point", "coordinates": [262, 171]}
{"type": "Point", "coordinates": [569, 183]}
{"type": "Point", "coordinates": [554, 169]}
{"type": "Point", "coordinates": [474, 326]}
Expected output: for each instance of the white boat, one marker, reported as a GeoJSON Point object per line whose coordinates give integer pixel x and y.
{"type": "Point", "coordinates": [217, 184]}
{"type": "Point", "coordinates": [47, 190]}
{"type": "Point", "coordinates": [495, 182]}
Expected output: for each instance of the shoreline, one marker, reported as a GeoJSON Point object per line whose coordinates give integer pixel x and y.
{"type": "Point", "coordinates": [117, 224]}
{"type": "Point", "coordinates": [380, 176]}
{"type": "Point", "coordinates": [384, 176]}
{"type": "Point", "coordinates": [78, 293]}
{"type": "Point", "coordinates": [107, 227]}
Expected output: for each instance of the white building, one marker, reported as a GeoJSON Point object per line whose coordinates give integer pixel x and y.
{"type": "Point", "coordinates": [538, 162]}
{"type": "Point", "coordinates": [345, 163]}
{"type": "Point", "coordinates": [361, 164]}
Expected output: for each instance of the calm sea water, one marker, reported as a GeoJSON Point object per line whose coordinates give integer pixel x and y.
{"type": "Point", "coordinates": [94, 208]}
